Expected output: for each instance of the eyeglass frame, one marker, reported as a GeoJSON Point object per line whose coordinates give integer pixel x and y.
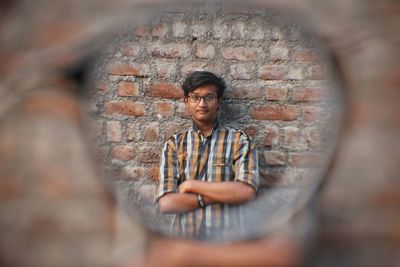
{"type": "Point", "coordinates": [202, 97]}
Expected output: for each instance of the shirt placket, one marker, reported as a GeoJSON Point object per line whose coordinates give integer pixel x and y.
{"type": "Point", "coordinates": [204, 149]}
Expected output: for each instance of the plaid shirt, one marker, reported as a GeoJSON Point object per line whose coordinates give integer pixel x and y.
{"type": "Point", "coordinates": [225, 155]}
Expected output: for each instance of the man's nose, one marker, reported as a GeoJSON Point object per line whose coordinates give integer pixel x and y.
{"type": "Point", "coordinates": [202, 102]}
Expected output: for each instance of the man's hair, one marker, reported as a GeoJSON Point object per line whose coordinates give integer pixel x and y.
{"type": "Point", "coordinates": [202, 78]}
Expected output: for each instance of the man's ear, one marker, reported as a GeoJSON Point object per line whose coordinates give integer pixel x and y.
{"type": "Point", "coordinates": [219, 103]}
{"type": "Point", "coordinates": [185, 100]}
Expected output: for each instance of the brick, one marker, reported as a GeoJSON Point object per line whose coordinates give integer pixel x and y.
{"type": "Point", "coordinates": [163, 109]}
{"type": "Point", "coordinates": [313, 137]}
{"type": "Point", "coordinates": [129, 108]}
{"type": "Point", "coordinates": [173, 128]}
{"type": "Point", "coordinates": [123, 152]}
{"type": "Point", "coordinates": [191, 67]}
{"type": "Point", "coordinates": [222, 30]}
{"type": "Point", "coordinates": [272, 72]}
{"type": "Point", "coordinates": [205, 51]}
{"type": "Point", "coordinates": [165, 69]}
{"type": "Point", "coordinates": [169, 50]}
{"type": "Point", "coordinates": [131, 50]}
{"type": "Point", "coordinates": [133, 173]}
{"type": "Point", "coordinates": [271, 177]}
{"type": "Point", "coordinates": [304, 56]}
{"type": "Point", "coordinates": [241, 71]}
{"type": "Point", "coordinates": [239, 30]}
{"type": "Point", "coordinates": [199, 30]}
{"type": "Point", "coordinates": [159, 30]}
{"type": "Point", "coordinates": [128, 89]}
{"type": "Point", "coordinates": [276, 94]}
{"type": "Point", "coordinates": [241, 53]}
{"type": "Point", "coordinates": [278, 54]}
{"type": "Point", "coordinates": [271, 136]}
{"type": "Point", "coordinates": [293, 138]}
{"type": "Point", "coordinates": [142, 31]}
{"type": "Point", "coordinates": [124, 69]}
{"type": "Point", "coordinates": [274, 177]}
{"type": "Point", "coordinates": [149, 155]}
{"type": "Point", "coordinates": [311, 113]}
{"type": "Point", "coordinates": [179, 29]}
{"type": "Point", "coordinates": [255, 30]}
{"type": "Point", "coordinates": [305, 159]}
{"type": "Point", "coordinates": [154, 173]}
{"type": "Point", "coordinates": [182, 111]}
{"type": "Point", "coordinates": [165, 90]}
{"type": "Point", "coordinates": [308, 94]}
{"type": "Point", "coordinates": [317, 73]}
{"type": "Point", "coordinates": [251, 131]}
{"type": "Point", "coordinates": [100, 87]}
{"type": "Point", "coordinates": [133, 132]}
{"type": "Point", "coordinates": [295, 73]}
{"type": "Point", "coordinates": [151, 132]}
{"type": "Point", "coordinates": [275, 158]}
{"type": "Point", "coordinates": [275, 112]}
{"type": "Point", "coordinates": [276, 34]}
{"type": "Point", "coordinates": [243, 91]}
{"type": "Point", "coordinates": [114, 132]}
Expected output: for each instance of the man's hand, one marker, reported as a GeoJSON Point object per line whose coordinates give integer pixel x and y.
{"type": "Point", "coordinates": [187, 186]}
{"type": "Point", "coordinates": [223, 192]}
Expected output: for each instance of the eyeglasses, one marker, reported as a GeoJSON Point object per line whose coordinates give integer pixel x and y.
{"type": "Point", "coordinates": [208, 98]}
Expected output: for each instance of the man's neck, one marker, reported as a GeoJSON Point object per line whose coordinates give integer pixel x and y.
{"type": "Point", "coordinates": [205, 128]}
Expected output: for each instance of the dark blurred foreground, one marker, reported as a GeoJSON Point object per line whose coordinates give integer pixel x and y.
{"type": "Point", "coordinates": [56, 211]}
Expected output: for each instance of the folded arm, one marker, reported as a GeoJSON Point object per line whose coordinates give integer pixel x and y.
{"type": "Point", "coordinates": [180, 202]}
{"type": "Point", "coordinates": [223, 192]}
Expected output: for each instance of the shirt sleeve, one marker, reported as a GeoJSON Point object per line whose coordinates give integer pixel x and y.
{"type": "Point", "coordinates": [246, 162]}
{"type": "Point", "coordinates": [169, 169]}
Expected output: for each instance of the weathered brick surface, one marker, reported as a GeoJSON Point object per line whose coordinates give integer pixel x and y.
{"type": "Point", "coordinates": [124, 69]}
{"type": "Point", "coordinates": [308, 94]}
{"type": "Point", "coordinates": [275, 158]}
{"type": "Point", "coordinates": [272, 72]}
{"type": "Point", "coordinates": [293, 138]}
{"type": "Point", "coordinates": [129, 108]}
{"type": "Point", "coordinates": [128, 89]}
{"type": "Point", "coordinates": [274, 92]}
{"type": "Point", "coordinates": [163, 109]}
{"type": "Point", "coordinates": [271, 136]}
{"type": "Point", "coordinates": [274, 112]}
{"type": "Point", "coordinates": [170, 50]}
{"type": "Point", "coordinates": [114, 133]}
{"type": "Point", "coordinates": [165, 90]}
{"type": "Point", "coordinates": [205, 51]}
{"type": "Point", "coordinates": [123, 152]}
{"type": "Point", "coordinates": [241, 53]}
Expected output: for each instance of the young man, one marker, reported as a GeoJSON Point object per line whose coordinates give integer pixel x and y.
{"type": "Point", "coordinates": [207, 170]}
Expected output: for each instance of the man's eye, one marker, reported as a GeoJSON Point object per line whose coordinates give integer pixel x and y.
{"type": "Point", "coordinates": [195, 98]}
{"type": "Point", "coordinates": [210, 98]}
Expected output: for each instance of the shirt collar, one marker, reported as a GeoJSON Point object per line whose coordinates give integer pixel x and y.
{"type": "Point", "coordinates": [196, 128]}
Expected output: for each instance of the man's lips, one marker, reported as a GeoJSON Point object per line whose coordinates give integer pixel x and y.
{"type": "Point", "coordinates": [202, 111]}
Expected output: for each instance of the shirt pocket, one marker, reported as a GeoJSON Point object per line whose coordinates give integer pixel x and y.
{"type": "Point", "coordinates": [222, 169]}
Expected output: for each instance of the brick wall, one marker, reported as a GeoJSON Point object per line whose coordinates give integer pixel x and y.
{"type": "Point", "coordinates": [278, 93]}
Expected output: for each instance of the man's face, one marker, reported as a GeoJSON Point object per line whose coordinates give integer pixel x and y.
{"type": "Point", "coordinates": [203, 104]}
